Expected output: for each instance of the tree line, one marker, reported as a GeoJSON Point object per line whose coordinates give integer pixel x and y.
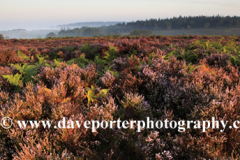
{"type": "Point", "coordinates": [146, 27]}
{"type": "Point", "coordinates": [185, 22]}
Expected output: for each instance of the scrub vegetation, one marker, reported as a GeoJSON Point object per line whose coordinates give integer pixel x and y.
{"type": "Point", "coordinates": [126, 77]}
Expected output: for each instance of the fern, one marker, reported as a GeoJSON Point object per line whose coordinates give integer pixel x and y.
{"type": "Point", "coordinates": [207, 45]}
{"type": "Point", "coordinates": [71, 61]}
{"type": "Point", "coordinates": [103, 92]}
{"type": "Point", "coordinates": [115, 73]}
{"type": "Point", "coordinates": [191, 57]}
{"type": "Point", "coordinates": [169, 55]}
{"type": "Point", "coordinates": [27, 70]}
{"type": "Point", "coordinates": [86, 48]}
{"type": "Point", "coordinates": [105, 69]}
{"type": "Point", "coordinates": [22, 55]}
{"type": "Point", "coordinates": [42, 61]}
{"type": "Point", "coordinates": [135, 52]}
{"type": "Point", "coordinates": [81, 61]}
{"type": "Point", "coordinates": [92, 95]}
{"type": "Point", "coordinates": [190, 68]}
{"type": "Point", "coordinates": [57, 62]}
{"type": "Point", "coordinates": [99, 61]}
{"type": "Point", "coordinates": [14, 80]}
{"type": "Point", "coordinates": [65, 48]}
{"type": "Point", "coordinates": [53, 55]}
{"type": "Point", "coordinates": [111, 54]}
{"type": "Point", "coordinates": [234, 60]}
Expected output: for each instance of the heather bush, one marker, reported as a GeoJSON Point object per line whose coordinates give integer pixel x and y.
{"type": "Point", "coordinates": [126, 83]}
{"type": "Point", "coordinates": [135, 107]}
{"type": "Point", "coordinates": [9, 56]}
{"type": "Point", "coordinates": [108, 79]}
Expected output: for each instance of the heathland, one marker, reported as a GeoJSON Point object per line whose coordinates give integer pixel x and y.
{"type": "Point", "coordinates": [120, 77]}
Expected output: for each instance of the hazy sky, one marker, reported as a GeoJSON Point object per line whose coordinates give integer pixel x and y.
{"type": "Point", "coordinates": [35, 14]}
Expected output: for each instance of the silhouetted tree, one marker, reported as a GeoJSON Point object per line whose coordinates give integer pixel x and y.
{"type": "Point", "coordinates": [51, 34]}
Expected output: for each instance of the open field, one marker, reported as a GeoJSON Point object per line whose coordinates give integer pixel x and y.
{"type": "Point", "coordinates": [127, 78]}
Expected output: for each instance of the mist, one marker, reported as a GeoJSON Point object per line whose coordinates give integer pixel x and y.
{"type": "Point", "coordinates": [194, 25]}
{"type": "Point", "coordinates": [40, 30]}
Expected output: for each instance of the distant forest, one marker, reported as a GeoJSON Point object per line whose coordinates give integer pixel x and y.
{"type": "Point", "coordinates": [185, 22]}
{"type": "Point", "coordinates": [148, 26]}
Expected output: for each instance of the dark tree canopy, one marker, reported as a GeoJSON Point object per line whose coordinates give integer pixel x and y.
{"type": "Point", "coordinates": [185, 22]}
{"type": "Point", "coordinates": [51, 34]}
{"type": "Point", "coordinates": [143, 27]}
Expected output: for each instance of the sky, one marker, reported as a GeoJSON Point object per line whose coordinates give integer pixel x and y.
{"type": "Point", "coordinates": [43, 14]}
